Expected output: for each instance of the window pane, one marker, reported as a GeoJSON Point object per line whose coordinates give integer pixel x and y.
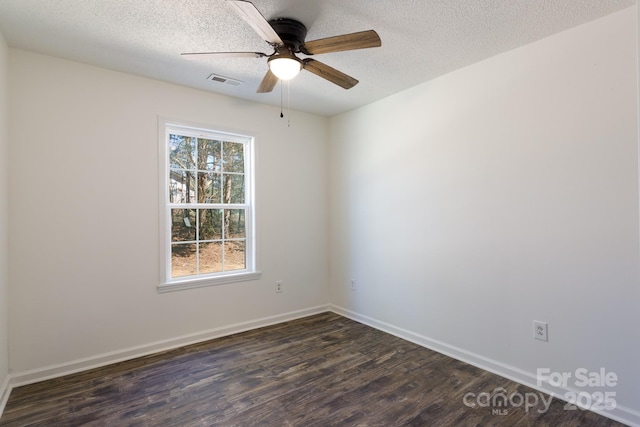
{"type": "Point", "coordinates": [233, 157]}
{"type": "Point", "coordinates": [210, 257]}
{"type": "Point", "coordinates": [233, 189]}
{"type": "Point", "coordinates": [234, 255]}
{"type": "Point", "coordinates": [183, 260]}
{"type": "Point", "coordinates": [182, 186]}
{"type": "Point", "coordinates": [183, 225]}
{"type": "Point", "coordinates": [181, 152]}
{"type": "Point", "coordinates": [209, 187]}
{"type": "Point", "coordinates": [234, 223]}
{"type": "Point", "coordinates": [205, 175]}
{"type": "Point", "coordinates": [209, 155]}
{"type": "Point", "coordinates": [210, 224]}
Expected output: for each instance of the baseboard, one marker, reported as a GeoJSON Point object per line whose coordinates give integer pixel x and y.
{"type": "Point", "coordinates": [79, 365]}
{"type": "Point", "coordinates": [621, 414]}
{"type": "Point", "coordinates": [5, 391]}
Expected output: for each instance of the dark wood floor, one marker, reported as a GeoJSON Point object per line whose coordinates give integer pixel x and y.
{"type": "Point", "coordinates": [323, 370]}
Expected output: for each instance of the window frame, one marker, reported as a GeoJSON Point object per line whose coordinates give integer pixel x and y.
{"type": "Point", "coordinates": [250, 272]}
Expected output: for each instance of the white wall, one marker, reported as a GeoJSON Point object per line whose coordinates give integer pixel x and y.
{"type": "Point", "coordinates": [4, 218]}
{"type": "Point", "coordinates": [84, 213]}
{"type": "Point", "coordinates": [504, 192]}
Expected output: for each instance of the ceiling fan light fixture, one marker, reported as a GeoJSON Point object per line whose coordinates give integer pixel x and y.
{"type": "Point", "coordinates": [285, 67]}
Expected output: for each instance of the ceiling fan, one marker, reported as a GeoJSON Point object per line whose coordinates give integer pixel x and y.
{"type": "Point", "coordinates": [286, 37]}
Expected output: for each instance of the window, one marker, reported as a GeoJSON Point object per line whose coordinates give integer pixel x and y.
{"type": "Point", "coordinates": [207, 222]}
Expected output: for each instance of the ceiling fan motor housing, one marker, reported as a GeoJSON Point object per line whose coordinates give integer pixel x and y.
{"type": "Point", "coordinates": [291, 32]}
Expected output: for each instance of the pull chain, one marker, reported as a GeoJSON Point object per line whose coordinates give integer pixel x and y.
{"type": "Point", "coordinates": [281, 83]}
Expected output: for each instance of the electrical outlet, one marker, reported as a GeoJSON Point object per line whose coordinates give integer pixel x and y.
{"type": "Point", "coordinates": [353, 284]}
{"type": "Point", "coordinates": [279, 286]}
{"type": "Point", "coordinates": [540, 330]}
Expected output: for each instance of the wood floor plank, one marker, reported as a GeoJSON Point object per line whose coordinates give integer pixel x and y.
{"type": "Point", "coordinates": [323, 370]}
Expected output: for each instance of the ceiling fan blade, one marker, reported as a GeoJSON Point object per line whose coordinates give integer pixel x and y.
{"type": "Point", "coordinates": [268, 82]}
{"type": "Point", "coordinates": [353, 41]}
{"type": "Point", "coordinates": [329, 73]}
{"type": "Point", "coordinates": [194, 55]}
{"type": "Point", "coordinates": [252, 15]}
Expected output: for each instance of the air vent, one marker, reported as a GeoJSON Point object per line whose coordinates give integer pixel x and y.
{"type": "Point", "coordinates": [225, 80]}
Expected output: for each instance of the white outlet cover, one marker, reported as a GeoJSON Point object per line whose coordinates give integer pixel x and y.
{"type": "Point", "coordinates": [540, 330]}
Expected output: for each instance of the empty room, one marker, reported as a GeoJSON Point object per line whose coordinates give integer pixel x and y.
{"type": "Point", "coordinates": [305, 213]}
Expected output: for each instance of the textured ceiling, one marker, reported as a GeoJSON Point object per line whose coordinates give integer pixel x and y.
{"type": "Point", "coordinates": [421, 39]}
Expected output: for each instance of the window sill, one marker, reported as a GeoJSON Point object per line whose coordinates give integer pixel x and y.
{"type": "Point", "coordinates": [208, 281]}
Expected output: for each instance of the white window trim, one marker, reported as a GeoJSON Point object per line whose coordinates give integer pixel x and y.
{"type": "Point", "coordinates": [168, 284]}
